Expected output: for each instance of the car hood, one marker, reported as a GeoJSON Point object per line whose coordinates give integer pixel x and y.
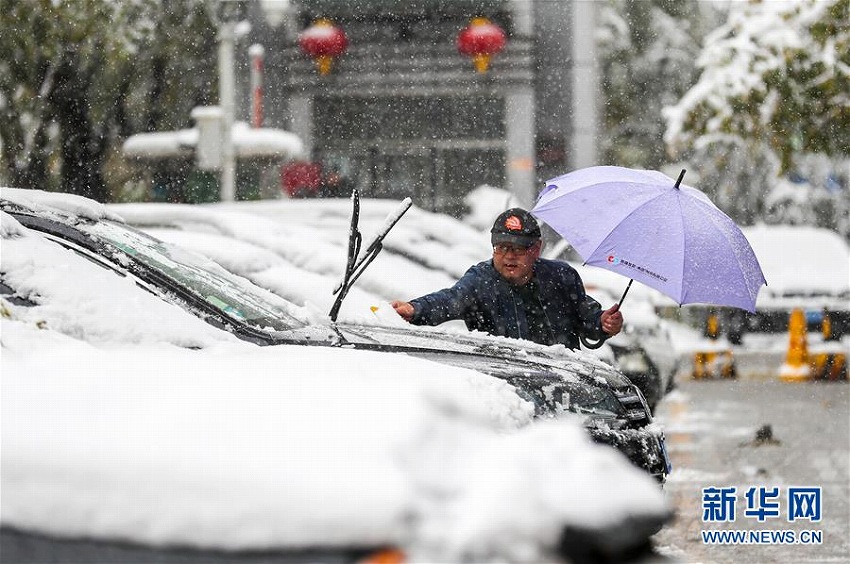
{"type": "Point", "coordinates": [489, 349]}
{"type": "Point", "coordinates": [553, 378]}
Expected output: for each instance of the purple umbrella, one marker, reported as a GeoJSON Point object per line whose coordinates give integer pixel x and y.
{"type": "Point", "coordinates": [646, 226]}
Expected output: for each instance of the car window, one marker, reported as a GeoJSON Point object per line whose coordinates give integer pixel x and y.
{"type": "Point", "coordinates": [591, 400]}
{"type": "Point", "coordinates": [233, 297]}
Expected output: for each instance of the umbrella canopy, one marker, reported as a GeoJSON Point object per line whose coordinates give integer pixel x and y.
{"type": "Point", "coordinates": [648, 227]}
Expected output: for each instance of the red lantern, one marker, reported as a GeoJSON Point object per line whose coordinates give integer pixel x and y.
{"type": "Point", "coordinates": [481, 39]}
{"type": "Point", "coordinates": [323, 41]}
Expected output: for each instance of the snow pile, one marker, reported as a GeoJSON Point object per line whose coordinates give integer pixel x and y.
{"type": "Point", "coordinates": [265, 142]}
{"type": "Point", "coordinates": [240, 447]}
{"type": "Point", "coordinates": [485, 203]}
{"type": "Point", "coordinates": [493, 514]}
{"type": "Point", "coordinates": [55, 202]}
{"type": "Point", "coordinates": [231, 447]}
{"type": "Point", "coordinates": [248, 142]}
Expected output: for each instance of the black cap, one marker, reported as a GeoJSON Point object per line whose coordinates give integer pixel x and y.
{"type": "Point", "coordinates": [515, 226]}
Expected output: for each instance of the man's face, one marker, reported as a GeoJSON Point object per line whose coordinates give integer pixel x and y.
{"type": "Point", "coordinates": [514, 262]}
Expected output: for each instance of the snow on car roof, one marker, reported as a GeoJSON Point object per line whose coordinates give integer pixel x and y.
{"type": "Point", "coordinates": [56, 202]}
{"type": "Point", "coordinates": [77, 298]}
{"type": "Point", "coordinates": [312, 239]}
{"type": "Point", "coordinates": [801, 260]}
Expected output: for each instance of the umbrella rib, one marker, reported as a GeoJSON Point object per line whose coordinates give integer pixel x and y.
{"type": "Point", "coordinates": [684, 248]}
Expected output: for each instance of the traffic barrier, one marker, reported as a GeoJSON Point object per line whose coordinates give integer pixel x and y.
{"type": "Point", "coordinates": [796, 366]}
{"type": "Point", "coordinates": [712, 326]}
{"type": "Point", "coordinates": [828, 361]}
{"type": "Point", "coordinates": [714, 364]}
{"type": "Point", "coordinates": [826, 326]}
{"type": "Point", "coordinates": [715, 360]}
{"type": "Point", "coordinates": [828, 365]}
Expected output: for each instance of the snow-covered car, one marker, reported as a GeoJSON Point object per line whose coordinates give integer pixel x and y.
{"type": "Point", "coordinates": [77, 440]}
{"type": "Point", "coordinates": [616, 411]}
{"type": "Point", "coordinates": [632, 359]}
{"type": "Point", "coordinates": [426, 251]}
{"type": "Point", "coordinates": [643, 351]}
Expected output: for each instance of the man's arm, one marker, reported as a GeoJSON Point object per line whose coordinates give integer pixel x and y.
{"type": "Point", "coordinates": [444, 305]}
{"type": "Point", "coordinates": [589, 322]}
{"type": "Point", "coordinates": [595, 324]}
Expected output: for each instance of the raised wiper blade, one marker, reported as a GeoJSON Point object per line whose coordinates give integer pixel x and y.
{"type": "Point", "coordinates": [376, 244]}
{"type": "Point", "coordinates": [354, 240]}
{"type": "Point", "coordinates": [355, 264]}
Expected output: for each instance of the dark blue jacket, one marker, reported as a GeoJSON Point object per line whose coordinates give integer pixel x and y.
{"type": "Point", "coordinates": [487, 302]}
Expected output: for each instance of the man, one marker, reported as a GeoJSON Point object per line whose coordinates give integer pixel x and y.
{"type": "Point", "coordinates": [517, 294]}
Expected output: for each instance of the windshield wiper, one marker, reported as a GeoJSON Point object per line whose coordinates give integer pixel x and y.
{"type": "Point", "coordinates": [355, 265]}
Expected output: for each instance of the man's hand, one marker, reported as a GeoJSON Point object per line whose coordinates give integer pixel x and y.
{"type": "Point", "coordinates": [405, 310]}
{"type": "Point", "coordinates": [612, 320]}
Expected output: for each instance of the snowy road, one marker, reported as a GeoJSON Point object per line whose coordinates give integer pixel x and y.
{"type": "Point", "coordinates": [711, 427]}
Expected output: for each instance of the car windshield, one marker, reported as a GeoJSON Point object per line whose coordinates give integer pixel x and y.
{"type": "Point", "coordinates": [232, 296]}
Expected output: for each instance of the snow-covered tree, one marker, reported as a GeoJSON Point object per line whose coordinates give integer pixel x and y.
{"type": "Point", "coordinates": [77, 76]}
{"type": "Point", "coordinates": [62, 75]}
{"type": "Point", "coordinates": [777, 72]}
{"type": "Point", "coordinates": [648, 51]}
{"type": "Point", "coordinates": [814, 194]}
{"type": "Point", "coordinates": [773, 95]}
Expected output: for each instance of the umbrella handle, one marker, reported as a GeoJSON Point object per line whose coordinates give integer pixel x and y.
{"type": "Point", "coordinates": [592, 346]}
{"type": "Point", "coordinates": [596, 345]}
{"type": "Point", "coordinates": [626, 292]}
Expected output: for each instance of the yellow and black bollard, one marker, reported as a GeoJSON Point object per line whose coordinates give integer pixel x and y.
{"type": "Point", "coordinates": [828, 361]}
{"type": "Point", "coordinates": [715, 360]}
{"type": "Point", "coordinates": [712, 325]}
{"type": "Point", "coordinates": [796, 366]}
{"type": "Point", "coordinates": [826, 326]}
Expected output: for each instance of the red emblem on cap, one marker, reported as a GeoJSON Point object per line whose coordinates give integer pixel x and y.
{"type": "Point", "coordinates": [513, 223]}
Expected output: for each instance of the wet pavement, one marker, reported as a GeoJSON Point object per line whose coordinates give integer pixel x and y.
{"type": "Point", "coordinates": [714, 441]}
